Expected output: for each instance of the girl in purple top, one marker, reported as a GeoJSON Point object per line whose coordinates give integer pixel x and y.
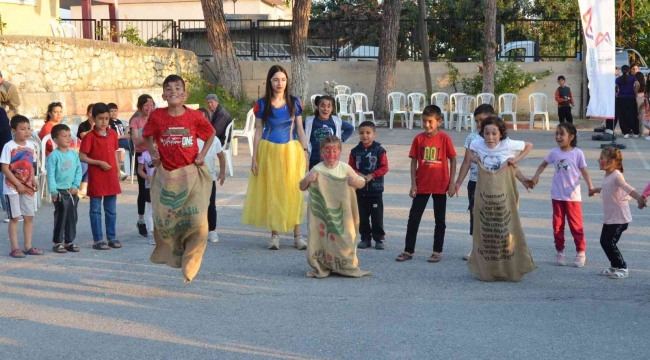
{"type": "Point", "coordinates": [626, 109]}
{"type": "Point", "coordinates": [569, 163]}
{"type": "Point", "coordinates": [280, 157]}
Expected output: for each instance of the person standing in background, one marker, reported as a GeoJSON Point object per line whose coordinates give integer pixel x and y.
{"type": "Point", "coordinates": [9, 97]}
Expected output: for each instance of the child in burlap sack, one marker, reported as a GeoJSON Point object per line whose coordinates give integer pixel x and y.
{"type": "Point", "coordinates": [181, 181]}
{"type": "Point", "coordinates": [333, 214]}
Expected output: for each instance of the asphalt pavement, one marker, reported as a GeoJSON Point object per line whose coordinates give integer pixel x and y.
{"type": "Point", "coordinates": [251, 303]}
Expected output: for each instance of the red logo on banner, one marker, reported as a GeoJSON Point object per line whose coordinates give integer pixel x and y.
{"type": "Point", "coordinates": [589, 31]}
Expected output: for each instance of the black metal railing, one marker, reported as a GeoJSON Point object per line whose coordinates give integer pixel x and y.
{"type": "Point", "coordinates": [332, 40]}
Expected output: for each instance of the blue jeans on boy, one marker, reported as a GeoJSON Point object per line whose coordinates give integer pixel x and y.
{"type": "Point", "coordinates": [110, 213]}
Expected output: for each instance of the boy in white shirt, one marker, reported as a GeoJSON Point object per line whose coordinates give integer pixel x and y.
{"type": "Point", "coordinates": [214, 152]}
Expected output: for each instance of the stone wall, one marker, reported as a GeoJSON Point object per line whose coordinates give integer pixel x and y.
{"type": "Point", "coordinates": [360, 76]}
{"type": "Point", "coordinates": [77, 72]}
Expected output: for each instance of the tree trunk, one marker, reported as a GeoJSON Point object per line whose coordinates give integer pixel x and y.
{"type": "Point", "coordinates": [489, 59]}
{"type": "Point", "coordinates": [299, 62]}
{"type": "Point", "coordinates": [227, 72]}
{"type": "Point", "coordinates": [424, 45]}
{"type": "Point", "coordinates": [385, 81]}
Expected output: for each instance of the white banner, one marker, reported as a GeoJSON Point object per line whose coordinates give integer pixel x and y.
{"type": "Point", "coordinates": [598, 24]}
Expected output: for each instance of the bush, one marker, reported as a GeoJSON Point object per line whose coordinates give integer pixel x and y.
{"type": "Point", "coordinates": [198, 88]}
{"type": "Point", "coordinates": [508, 78]}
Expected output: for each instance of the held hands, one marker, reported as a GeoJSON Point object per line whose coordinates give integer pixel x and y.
{"type": "Point", "coordinates": [221, 178]}
{"type": "Point", "coordinates": [414, 191]}
{"type": "Point", "coordinates": [451, 189]}
{"type": "Point", "coordinates": [529, 184]}
{"type": "Point", "coordinates": [593, 192]}
{"type": "Point", "coordinates": [642, 202]}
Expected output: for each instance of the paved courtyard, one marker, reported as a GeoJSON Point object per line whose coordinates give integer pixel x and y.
{"type": "Point", "coordinates": [251, 303]}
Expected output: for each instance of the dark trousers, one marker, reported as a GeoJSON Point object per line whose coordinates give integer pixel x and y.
{"type": "Point", "coordinates": [415, 215]}
{"type": "Point", "coordinates": [371, 211]}
{"type": "Point", "coordinates": [312, 164]}
{"type": "Point", "coordinates": [142, 190]}
{"type": "Point", "coordinates": [212, 209]}
{"type": "Point", "coordinates": [471, 189]}
{"type": "Point", "coordinates": [609, 237]}
{"type": "Point", "coordinates": [564, 113]}
{"type": "Point", "coordinates": [627, 115]}
{"type": "Point", "coordinates": [65, 217]}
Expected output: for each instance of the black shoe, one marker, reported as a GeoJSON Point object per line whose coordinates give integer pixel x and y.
{"type": "Point", "coordinates": [142, 229]}
{"type": "Point", "coordinates": [364, 244]}
{"type": "Point", "coordinates": [379, 245]}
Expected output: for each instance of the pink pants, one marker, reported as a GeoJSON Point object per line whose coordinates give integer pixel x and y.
{"type": "Point", "coordinates": [572, 210]}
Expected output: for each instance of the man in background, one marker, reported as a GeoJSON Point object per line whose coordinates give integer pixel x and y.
{"type": "Point", "coordinates": [219, 118]}
{"type": "Point", "coordinates": [9, 97]}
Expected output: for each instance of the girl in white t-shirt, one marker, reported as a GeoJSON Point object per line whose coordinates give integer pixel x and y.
{"type": "Point", "coordinates": [495, 148]}
{"type": "Point", "coordinates": [569, 164]}
{"type": "Point", "coordinates": [616, 211]}
{"type": "Point", "coordinates": [146, 170]}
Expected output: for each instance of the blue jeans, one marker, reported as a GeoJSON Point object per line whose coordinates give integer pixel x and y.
{"type": "Point", "coordinates": [110, 204]}
{"type": "Point", "coordinates": [2, 195]}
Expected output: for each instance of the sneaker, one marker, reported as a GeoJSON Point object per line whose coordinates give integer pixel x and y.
{"type": "Point", "coordinates": [7, 220]}
{"type": "Point", "coordinates": [580, 260]}
{"type": "Point", "coordinates": [626, 136]}
{"type": "Point", "coordinates": [364, 244]}
{"type": "Point", "coordinates": [123, 175]}
{"type": "Point", "coordinates": [635, 136]}
{"type": "Point", "coordinates": [299, 242]}
{"type": "Point", "coordinates": [619, 274]}
{"type": "Point", "coordinates": [152, 241]}
{"type": "Point", "coordinates": [559, 259]}
{"type": "Point", "coordinates": [466, 257]}
{"type": "Point", "coordinates": [647, 137]}
{"type": "Point", "coordinates": [142, 229]}
{"type": "Point", "coordinates": [213, 237]}
{"type": "Point", "coordinates": [379, 245]}
{"type": "Point", "coordinates": [274, 244]}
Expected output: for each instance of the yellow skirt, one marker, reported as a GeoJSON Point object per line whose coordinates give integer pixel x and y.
{"type": "Point", "coordinates": [273, 199]}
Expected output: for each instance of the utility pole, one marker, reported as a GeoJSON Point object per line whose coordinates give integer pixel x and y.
{"type": "Point", "coordinates": [625, 34]}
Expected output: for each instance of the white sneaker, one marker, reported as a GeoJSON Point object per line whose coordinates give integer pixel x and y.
{"type": "Point", "coordinates": [274, 244]}
{"type": "Point", "coordinates": [559, 259]}
{"type": "Point", "coordinates": [213, 237]}
{"type": "Point", "coordinates": [626, 136]}
{"type": "Point", "coordinates": [466, 257]}
{"type": "Point", "coordinates": [580, 260]}
{"type": "Point", "coordinates": [619, 274]}
{"type": "Point", "coordinates": [152, 241]}
{"type": "Point", "coordinates": [647, 137]}
{"type": "Point", "coordinates": [7, 220]}
{"type": "Point", "coordinates": [300, 243]}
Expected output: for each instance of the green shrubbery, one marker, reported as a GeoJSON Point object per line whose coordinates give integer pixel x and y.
{"type": "Point", "coordinates": [508, 78]}
{"type": "Point", "coordinates": [198, 88]}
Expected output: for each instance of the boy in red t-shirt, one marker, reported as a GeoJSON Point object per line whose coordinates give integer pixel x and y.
{"type": "Point", "coordinates": [176, 130]}
{"type": "Point", "coordinates": [430, 177]}
{"type": "Point", "coordinates": [99, 151]}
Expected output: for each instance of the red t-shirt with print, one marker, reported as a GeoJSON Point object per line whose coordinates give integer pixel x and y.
{"type": "Point", "coordinates": [176, 136]}
{"type": "Point", "coordinates": [432, 152]}
{"type": "Point", "coordinates": [102, 148]}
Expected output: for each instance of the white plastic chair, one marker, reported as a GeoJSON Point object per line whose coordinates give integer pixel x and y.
{"type": "Point", "coordinates": [43, 162]}
{"type": "Point", "coordinates": [416, 102]}
{"type": "Point", "coordinates": [397, 105]}
{"type": "Point", "coordinates": [36, 143]}
{"type": "Point", "coordinates": [453, 100]}
{"type": "Point", "coordinates": [538, 104]}
{"type": "Point", "coordinates": [313, 101]}
{"type": "Point", "coordinates": [69, 30]}
{"type": "Point", "coordinates": [227, 149]}
{"type": "Point", "coordinates": [344, 103]}
{"type": "Point", "coordinates": [342, 90]}
{"type": "Point", "coordinates": [359, 99]}
{"type": "Point", "coordinates": [441, 100]}
{"type": "Point", "coordinates": [508, 106]}
{"type": "Point", "coordinates": [465, 106]}
{"type": "Point", "coordinates": [57, 29]}
{"type": "Point", "coordinates": [485, 98]}
{"type": "Point", "coordinates": [247, 132]}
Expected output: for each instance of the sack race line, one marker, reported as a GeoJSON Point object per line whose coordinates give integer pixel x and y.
{"type": "Point", "coordinates": [499, 249]}
{"type": "Point", "coordinates": [333, 227]}
{"type": "Point", "coordinates": [180, 207]}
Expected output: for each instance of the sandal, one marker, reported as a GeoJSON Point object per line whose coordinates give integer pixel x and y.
{"type": "Point", "coordinates": [619, 274]}
{"type": "Point", "coordinates": [404, 257]}
{"type": "Point", "coordinates": [59, 248]}
{"type": "Point", "coordinates": [115, 244]}
{"type": "Point", "coordinates": [608, 272]}
{"type": "Point", "coordinates": [34, 251]}
{"type": "Point", "coordinates": [72, 248]}
{"type": "Point", "coordinates": [435, 257]}
{"type": "Point", "coordinates": [17, 254]}
{"type": "Point", "coordinates": [101, 246]}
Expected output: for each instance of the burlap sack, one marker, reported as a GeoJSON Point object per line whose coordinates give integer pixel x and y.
{"type": "Point", "coordinates": [180, 200]}
{"type": "Point", "coordinates": [333, 226]}
{"type": "Point", "coordinates": [499, 251]}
